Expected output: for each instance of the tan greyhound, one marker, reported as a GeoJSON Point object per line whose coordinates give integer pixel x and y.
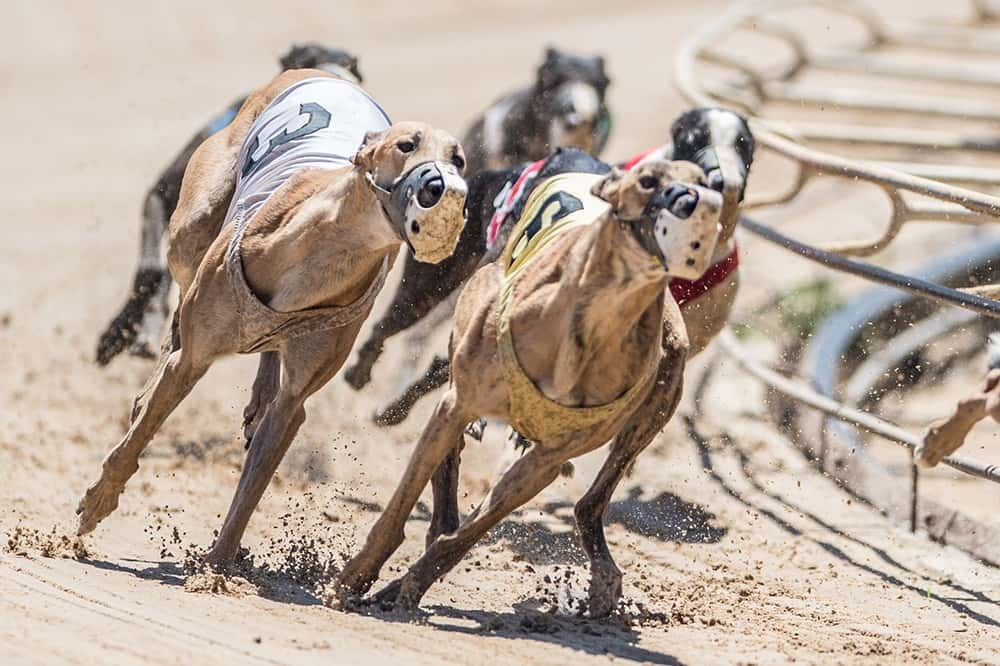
{"type": "Point", "coordinates": [563, 337]}
{"type": "Point", "coordinates": [281, 240]}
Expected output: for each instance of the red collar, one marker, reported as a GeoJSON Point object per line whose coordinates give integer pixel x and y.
{"type": "Point", "coordinates": [688, 290]}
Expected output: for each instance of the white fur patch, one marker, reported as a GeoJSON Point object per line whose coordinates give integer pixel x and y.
{"type": "Point", "coordinates": [585, 100]}
{"type": "Point", "coordinates": [493, 126]}
{"type": "Point", "coordinates": [725, 127]}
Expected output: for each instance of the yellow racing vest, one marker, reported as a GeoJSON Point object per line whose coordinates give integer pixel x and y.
{"type": "Point", "coordinates": [560, 203]}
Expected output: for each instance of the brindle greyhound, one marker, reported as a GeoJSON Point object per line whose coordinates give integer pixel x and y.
{"type": "Point", "coordinates": [565, 107]}
{"type": "Point", "coordinates": [280, 243]}
{"type": "Point", "coordinates": [563, 337]}
{"type": "Point", "coordinates": [139, 326]}
{"type": "Point", "coordinates": [719, 141]}
{"type": "Point", "coordinates": [946, 436]}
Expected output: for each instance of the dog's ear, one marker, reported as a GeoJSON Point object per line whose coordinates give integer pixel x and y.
{"type": "Point", "coordinates": [607, 188]}
{"type": "Point", "coordinates": [353, 67]}
{"type": "Point", "coordinates": [288, 60]}
{"type": "Point", "coordinates": [546, 75]}
{"type": "Point", "coordinates": [365, 157]}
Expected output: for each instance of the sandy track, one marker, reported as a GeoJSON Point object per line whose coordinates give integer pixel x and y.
{"type": "Point", "coordinates": [737, 549]}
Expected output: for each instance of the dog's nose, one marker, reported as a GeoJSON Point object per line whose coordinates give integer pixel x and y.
{"type": "Point", "coordinates": [431, 192]}
{"type": "Point", "coordinates": [681, 200]}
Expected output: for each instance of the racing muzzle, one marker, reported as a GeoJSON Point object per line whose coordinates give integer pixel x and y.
{"type": "Point", "coordinates": [685, 227]}
{"type": "Point", "coordinates": [727, 174]}
{"type": "Point", "coordinates": [426, 205]}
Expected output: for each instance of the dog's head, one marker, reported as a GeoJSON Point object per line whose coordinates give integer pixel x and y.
{"type": "Point", "coordinates": [416, 172]}
{"type": "Point", "coordinates": [570, 90]}
{"type": "Point", "coordinates": [721, 143]}
{"type": "Point", "coordinates": [317, 56]}
{"type": "Point", "coordinates": [671, 211]}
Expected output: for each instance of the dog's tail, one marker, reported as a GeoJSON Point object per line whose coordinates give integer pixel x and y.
{"type": "Point", "coordinates": [993, 351]}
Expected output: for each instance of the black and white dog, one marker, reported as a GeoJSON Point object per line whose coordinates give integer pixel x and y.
{"type": "Point", "coordinates": [716, 139]}
{"type": "Point", "coordinates": [564, 107]}
{"type": "Point", "coordinates": [139, 324]}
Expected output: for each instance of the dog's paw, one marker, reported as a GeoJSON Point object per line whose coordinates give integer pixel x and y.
{"type": "Point", "coordinates": [605, 589]}
{"type": "Point", "coordinates": [112, 343]}
{"type": "Point", "coordinates": [99, 502]}
{"type": "Point", "coordinates": [358, 375]}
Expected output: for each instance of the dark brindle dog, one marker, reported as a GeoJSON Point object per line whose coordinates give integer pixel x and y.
{"type": "Point", "coordinates": [140, 323]}
{"type": "Point", "coordinates": [718, 141]}
{"type": "Point", "coordinates": [565, 107]}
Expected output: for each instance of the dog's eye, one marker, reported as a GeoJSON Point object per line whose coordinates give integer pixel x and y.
{"type": "Point", "coordinates": [406, 146]}
{"type": "Point", "coordinates": [648, 182]}
{"type": "Point", "coordinates": [458, 161]}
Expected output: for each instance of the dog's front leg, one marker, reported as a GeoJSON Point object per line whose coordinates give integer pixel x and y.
{"type": "Point", "coordinates": [605, 577]}
{"type": "Point", "coordinates": [422, 287]}
{"type": "Point", "coordinates": [434, 377]}
{"type": "Point", "coordinates": [639, 431]}
{"type": "Point", "coordinates": [523, 480]}
{"type": "Point", "coordinates": [307, 364]}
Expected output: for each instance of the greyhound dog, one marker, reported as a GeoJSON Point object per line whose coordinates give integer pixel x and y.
{"type": "Point", "coordinates": [948, 435]}
{"type": "Point", "coordinates": [565, 107]}
{"type": "Point", "coordinates": [280, 243]}
{"type": "Point", "coordinates": [140, 323]}
{"type": "Point", "coordinates": [719, 141]}
{"type": "Point", "coordinates": [563, 337]}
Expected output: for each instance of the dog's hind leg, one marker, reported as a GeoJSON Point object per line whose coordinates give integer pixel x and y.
{"type": "Point", "coordinates": [174, 378]}
{"type": "Point", "coordinates": [139, 324]}
{"type": "Point", "coordinates": [155, 219]}
{"type": "Point", "coordinates": [265, 387]}
{"type": "Point", "coordinates": [528, 476]}
{"type": "Point", "coordinates": [445, 518]}
{"type": "Point", "coordinates": [206, 190]}
{"type": "Point", "coordinates": [434, 377]}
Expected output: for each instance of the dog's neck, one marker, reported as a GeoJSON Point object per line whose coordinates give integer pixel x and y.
{"type": "Point", "coordinates": [323, 250]}
{"type": "Point", "coordinates": [605, 312]}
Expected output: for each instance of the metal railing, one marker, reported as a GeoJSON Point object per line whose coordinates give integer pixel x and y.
{"type": "Point", "coordinates": [916, 191]}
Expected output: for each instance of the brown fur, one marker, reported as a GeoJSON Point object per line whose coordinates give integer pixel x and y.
{"type": "Point", "coordinates": [588, 309]}
{"type": "Point", "coordinates": [946, 436]}
{"type": "Point", "coordinates": [319, 240]}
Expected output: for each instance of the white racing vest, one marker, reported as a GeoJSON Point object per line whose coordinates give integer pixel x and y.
{"type": "Point", "coordinates": [317, 123]}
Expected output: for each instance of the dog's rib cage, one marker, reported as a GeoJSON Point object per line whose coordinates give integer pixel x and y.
{"type": "Point", "coordinates": [790, 113]}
